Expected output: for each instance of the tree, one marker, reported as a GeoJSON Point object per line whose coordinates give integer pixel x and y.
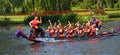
{"type": "Point", "coordinates": [100, 4]}
{"type": "Point", "coordinates": [5, 6]}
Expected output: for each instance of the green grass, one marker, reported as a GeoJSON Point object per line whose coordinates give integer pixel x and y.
{"type": "Point", "coordinates": [116, 11]}
{"type": "Point", "coordinates": [107, 12]}
{"type": "Point", "coordinates": [16, 18]}
{"type": "Point", "coordinates": [114, 19]}
{"type": "Point", "coordinates": [84, 13]}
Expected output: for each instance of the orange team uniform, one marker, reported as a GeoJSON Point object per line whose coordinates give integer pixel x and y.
{"type": "Point", "coordinates": [61, 32]}
{"type": "Point", "coordinates": [35, 23]}
{"type": "Point", "coordinates": [71, 32]}
{"type": "Point", "coordinates": [92, 32]}
{"type": "Point", "coordinates": [52, 32]}
{"type": "Point", "coordinates": [79, 31]}
{"type": "Point", "coordinates": [87, 31]}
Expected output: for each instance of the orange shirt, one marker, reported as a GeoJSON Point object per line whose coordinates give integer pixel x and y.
{"type": "Point", "coordinates": [35, 23]}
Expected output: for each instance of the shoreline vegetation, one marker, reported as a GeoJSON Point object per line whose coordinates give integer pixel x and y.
{"type": "Point", "coordinates": [64, 10]}
{"type": "Point", "coordinates": [73, 17]}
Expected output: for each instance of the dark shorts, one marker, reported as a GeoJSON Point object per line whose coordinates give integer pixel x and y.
{"type": "Point", "coordinates": [38, 31]}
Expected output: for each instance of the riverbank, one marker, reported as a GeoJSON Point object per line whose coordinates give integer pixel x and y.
{"type": "Point", "coordinates": [21, 20]}
{"type": "Point", "coordinates": [77, 16]}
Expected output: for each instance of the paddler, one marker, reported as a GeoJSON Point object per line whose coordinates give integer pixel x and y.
{"type": "Point", "coordinates": [117, 29]}
{"type": "Point", "coordinates": [35, 26]}
{"type": "Point", "coordinates": [51, 29]}
{"type": "Point", "coordinates": [79, 29]}
{"type": "Point", "coordinates": [87, 29]}
{"type": "Point", "coordinates": [93, 30]}
{"type": "Point", "coordinates": [70, 30]}
{"type": "Point", "coordinates": [96, 21]}
{"type": "Point", "coordinates": [60, 30]}
{"type": "Point", "coordinates": [19, 32]}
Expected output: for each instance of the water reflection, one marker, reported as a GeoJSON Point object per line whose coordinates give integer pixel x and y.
{"type": "Point", "coordinates": [93, 42]}
{"type": "Point", "coordinates": [4, 28]}
{"type": "Point", "coordinates": [35, 49]}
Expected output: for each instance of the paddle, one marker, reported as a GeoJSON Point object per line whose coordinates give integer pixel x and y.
{"type": "Point", "coordinates": [110, 29]}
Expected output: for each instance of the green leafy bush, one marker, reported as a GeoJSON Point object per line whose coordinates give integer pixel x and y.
{"type": "Point", "coordinates": [5, 22]}
{"type": "Point", "coordinates": [65, 18]}
{"type": "Point", "coordinates": [115, 15]}
{"type": "Point", "coordinates": [28, 19]}
{"type": "Point", "coordinates": [68, 17]}
{"type": "Point", "coordinates": [53, 18]}
{"type": "Point", "coordinates": [85, 18]}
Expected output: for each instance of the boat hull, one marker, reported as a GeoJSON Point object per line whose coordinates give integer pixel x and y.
{"type": "Point", "coordinates": [58, 39]}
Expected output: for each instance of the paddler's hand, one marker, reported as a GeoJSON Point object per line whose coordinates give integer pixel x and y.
{"type": "Point", "coordinates": [40, 18]}
{"type": "Point", "coordinates": [58, 20]}
{"type": "Point", "coordinates": [49, 20]}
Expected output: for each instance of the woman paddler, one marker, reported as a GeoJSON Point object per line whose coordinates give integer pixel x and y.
{"type": "Point", "coordinates": [35, 26]}
{"type": "Point", "coordinates": [96, 21]}
{"type": "Point", "coordinates": [51, 29]}
{"type": "Point", "coordinates": [79, 29]}
{"type": "Point", "coordinates": [60, 30]}
{"type": "Point", "coordinates": [117, 29]}
{"type": "Point", "coordinates": [19, 32]}
{"type": "Point", "coordinates": [87, 29]}
{"type": "Point", "coordinates": [70, 30]}
{"type": "Point", "coordinates": [94, 30]}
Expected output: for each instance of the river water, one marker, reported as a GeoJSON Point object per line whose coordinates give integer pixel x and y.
{"type": "Point", "coordinates": [9, 45]}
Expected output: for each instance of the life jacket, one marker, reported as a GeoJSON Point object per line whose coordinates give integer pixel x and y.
{"type": "Point", "coordinates": [19, 33]}
{"type": "Point", "coordinates": [92, 32]}
{"type": "Point", "coordinates": [80, 32]}
{"type": "Point", "coordinates": [61, 32]}
{"type": "Point", "coordinates": [52, 32]}
{"type": "Point", "coordinates": [70, 32]}
{"type": "Point", "coordinates": [87, 28]}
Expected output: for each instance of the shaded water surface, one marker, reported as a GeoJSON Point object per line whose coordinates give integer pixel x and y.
{"type": "Point", "coordinates": [9, 45]}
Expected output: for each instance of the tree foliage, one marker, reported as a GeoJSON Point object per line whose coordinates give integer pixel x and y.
{"type": "Point", "coordinates": [14, 6]}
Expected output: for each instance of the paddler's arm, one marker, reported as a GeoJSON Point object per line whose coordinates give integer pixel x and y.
{"type": "Point", "coordinates": [59, 22]}
{"type": "Point", "coordinates": [50, 23]}
{"type": "Point", "coordinates": [40, 20]}
{"type": "Point", "coordinates": [83, 25]}
{"type": "Point", "coordinates": [55, 25]}
{"type": "Point", "coordinates": [30, 23]}
{"type": "Point", "coordinates": [100, 23]}
{"type": "Point", "coordinates": [88, 21]}
{"type": "Point", "coordinates": [77, 24]}
{"type": "Point", "coordinates": [69, 23]}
